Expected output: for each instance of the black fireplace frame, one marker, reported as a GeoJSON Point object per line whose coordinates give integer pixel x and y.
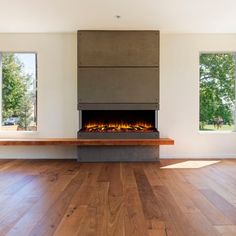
{"type": "Point", "coordinates": [119, 135]}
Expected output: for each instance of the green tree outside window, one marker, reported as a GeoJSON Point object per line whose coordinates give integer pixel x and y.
{"type": "Point", "coordinates": [217, 91]}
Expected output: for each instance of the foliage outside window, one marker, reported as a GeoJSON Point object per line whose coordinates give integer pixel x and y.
{"type": "Point", "coordinates": [18, 92]}
{"type": "Point", "coordinates": [217, 91]}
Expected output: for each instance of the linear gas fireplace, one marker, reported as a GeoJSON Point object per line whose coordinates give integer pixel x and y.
{"type": "Point", "coordinates": [118, 124]}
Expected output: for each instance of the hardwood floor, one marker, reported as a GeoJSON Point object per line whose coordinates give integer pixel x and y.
{"type": "Point", "coordinates": [65, 198]}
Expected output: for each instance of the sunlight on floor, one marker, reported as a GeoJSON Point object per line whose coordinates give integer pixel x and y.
{"type": "Point", "coordinates": [190, 165]}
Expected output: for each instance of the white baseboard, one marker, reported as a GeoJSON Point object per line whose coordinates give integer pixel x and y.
{"type": "Point", "coordinates": [199, 156]}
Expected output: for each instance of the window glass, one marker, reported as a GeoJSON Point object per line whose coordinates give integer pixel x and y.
{"type": "Point", "coordinates": [217, 91]}
{"type": "Point", "coordinates": [18, 75]}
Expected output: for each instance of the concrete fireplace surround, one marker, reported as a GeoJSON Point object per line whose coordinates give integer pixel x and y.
{"type": "Point", "coordinates": [118, 70]}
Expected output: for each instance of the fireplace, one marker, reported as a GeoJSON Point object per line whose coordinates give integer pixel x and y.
{"type": "Point", "coordinates": [118, 124]}
{"type": "Point", "coordinates": [118, 94]}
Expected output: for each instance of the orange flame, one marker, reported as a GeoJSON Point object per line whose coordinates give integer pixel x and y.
{"type": "Point", "coordinates": [118, 127]}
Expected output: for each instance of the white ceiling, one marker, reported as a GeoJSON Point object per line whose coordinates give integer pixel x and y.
{"type": "Point", "coordinates": [185, 16]}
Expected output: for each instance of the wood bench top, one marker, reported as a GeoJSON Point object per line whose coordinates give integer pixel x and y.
{"type": "Point", "coordinates": [85, 142]}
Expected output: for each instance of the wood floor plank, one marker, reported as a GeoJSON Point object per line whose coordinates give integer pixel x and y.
{"type": "Point", "coordinates": [49, 223]}
{"type": "Point", "coordinates": [134, 217]}
{"type": "Point", "coordinates": [50, 190]}
{"type": "Point", "coordinates": [151, 208]}
{"type": "Point", "coordinates": [203, 181]}
{"type": "Point", "coordinates": [155, 209]}
{"type": "Point", "coordinates": [226, 230]}
{"type": "Point", "coordinates": [88, 223]}
{"type": "Point", "coordinates": [70, 225]}
{"type": "Point", "coordinates": [151, 171]}
{"type": "Point", "coordinates": [95, 221]}
{"type": "Point", "coordinates": [158, 228]}
{"type": "Point", "coordinates": [225, 207]}
{"type": "Point", "coordinates": [115, 205]}
{"type": "Point", "coordinates": [8, 219]}
{"type": "Point", "coordinates": [80, 207]}
{"type": "Point", "coordinates": [14, 206]}
{"type": "Point", "coordinates": [192, 200]}
{"type": "Point", "coordinates": [222, 180]}
{"type": "Point", "coordinates": [29, 220]}
{"type": "Point", "coordinates": [100, 203]}
{"type": "Point", "coordinates": [201, 225]}
{"type": "Point", "coordinates": [174, 184]}
{"type": "Point", "coordinates": [179, 220]}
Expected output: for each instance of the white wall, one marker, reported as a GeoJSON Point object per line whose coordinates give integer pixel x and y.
{"type": "Point", "coordinates": [57, 93]}
{"type": "Point", "coordinates": [179, 114]}
{"type": "Point", "coordinates": [178, 117]}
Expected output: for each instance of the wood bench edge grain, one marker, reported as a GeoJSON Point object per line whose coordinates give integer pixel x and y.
{"type": "Point", "coordinates": [85, 142]}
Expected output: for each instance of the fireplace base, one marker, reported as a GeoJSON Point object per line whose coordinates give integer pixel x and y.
{"type": "Point", "coordinates": [118, 153]}
{"type": "Point", "coordinates": [118, 135]}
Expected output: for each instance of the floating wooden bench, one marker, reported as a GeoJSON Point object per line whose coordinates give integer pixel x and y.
{"type": "Point", "coordinates": [85, 142]}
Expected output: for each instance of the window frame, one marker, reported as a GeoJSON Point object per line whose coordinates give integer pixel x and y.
{"type": "Point", "coordinates": [215, 131]}
{"type": "Point", "coordinates": [21, 133]}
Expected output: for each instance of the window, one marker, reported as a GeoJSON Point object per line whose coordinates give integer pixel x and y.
{"type": "Point", "coordinates": [217, 91]}
{"type": "Point", "coordinates": [18, 92]}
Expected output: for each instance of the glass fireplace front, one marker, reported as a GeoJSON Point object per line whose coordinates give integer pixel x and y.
{"type": "Point", "coordinates": [118, 121]}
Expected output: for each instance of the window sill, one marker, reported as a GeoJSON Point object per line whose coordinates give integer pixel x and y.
{"type": "Point", "coordinates": [216, 132]}
{"type": "Point", "coordinates": [18, 134]}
